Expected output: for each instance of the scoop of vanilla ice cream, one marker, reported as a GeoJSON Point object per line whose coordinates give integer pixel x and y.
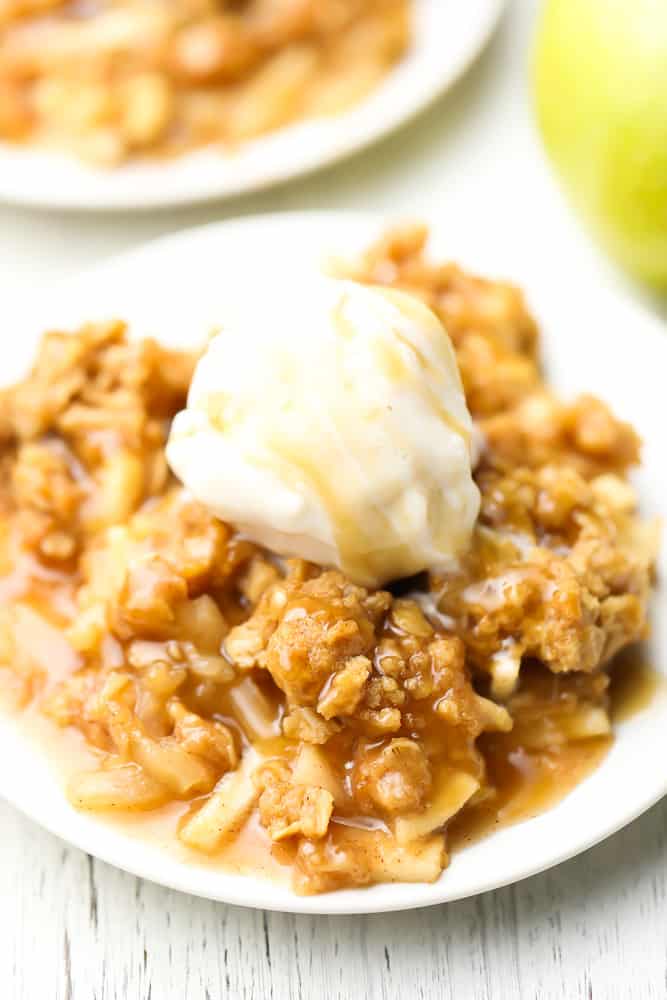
{"type": "Point", "coordinates": [329, 422]}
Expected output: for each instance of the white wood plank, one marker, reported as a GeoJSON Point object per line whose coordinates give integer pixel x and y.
{"type": "Point", "coordinates": [76, 929]}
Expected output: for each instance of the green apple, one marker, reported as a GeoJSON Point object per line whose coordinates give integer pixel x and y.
{"type": "Point", "coordinates": [600, 79]}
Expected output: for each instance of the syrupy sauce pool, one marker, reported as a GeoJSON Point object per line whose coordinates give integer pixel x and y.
{"type": "Point", "coordinates": [527, 783]}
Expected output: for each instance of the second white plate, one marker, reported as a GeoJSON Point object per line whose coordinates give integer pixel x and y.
{"type": "Point", "coordinates": [447, 37]}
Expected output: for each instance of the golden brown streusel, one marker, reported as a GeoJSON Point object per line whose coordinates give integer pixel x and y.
{"type": "Point", "coordinates": [351, 728]}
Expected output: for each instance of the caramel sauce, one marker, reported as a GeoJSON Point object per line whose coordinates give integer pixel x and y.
{"type": "Point", "coordinates": [526, 783]}
{"type": "Point", "coordinates": [248, 853]}
{"type": "Point", "coordinates": [352, 541]}
{"type": "Point", "coordinates": [634, 685]}
{"type": "Point", "coordinates": [520, 783]}
{"type": "Point", "coordinates": [423, 318]}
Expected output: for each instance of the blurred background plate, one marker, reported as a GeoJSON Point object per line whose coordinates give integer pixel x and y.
{"type": "Point", "coordinates": [448, 34]}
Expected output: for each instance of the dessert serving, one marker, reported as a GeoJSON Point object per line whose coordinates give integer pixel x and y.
{"type": "Point", "coordinates": [120, 79]}
{"type": "Point", "coordinates": [333, 598]}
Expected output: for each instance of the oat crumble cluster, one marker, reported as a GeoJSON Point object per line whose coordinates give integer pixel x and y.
{"type": "Point", "coordinates": [351, 726]}
{"type": "Point", "coordinates": [111, 80]}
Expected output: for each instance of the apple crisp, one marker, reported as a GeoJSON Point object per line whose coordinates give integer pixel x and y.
{"type": "Point", "coordinates": [357, 731]}
{"type": "Point", "coordinates": [116, 79]}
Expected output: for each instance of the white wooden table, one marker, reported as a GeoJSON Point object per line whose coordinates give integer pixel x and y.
{"type": "Point", "coordinates": [75, 929]}
{"type": "Point", "coordinates": [72, 928]}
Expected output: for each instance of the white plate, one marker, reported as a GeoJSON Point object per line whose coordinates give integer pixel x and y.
{"type": "Point", "coordinates": [448, 35]}
{"type": "Point", "coordinates": [594, 339]}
